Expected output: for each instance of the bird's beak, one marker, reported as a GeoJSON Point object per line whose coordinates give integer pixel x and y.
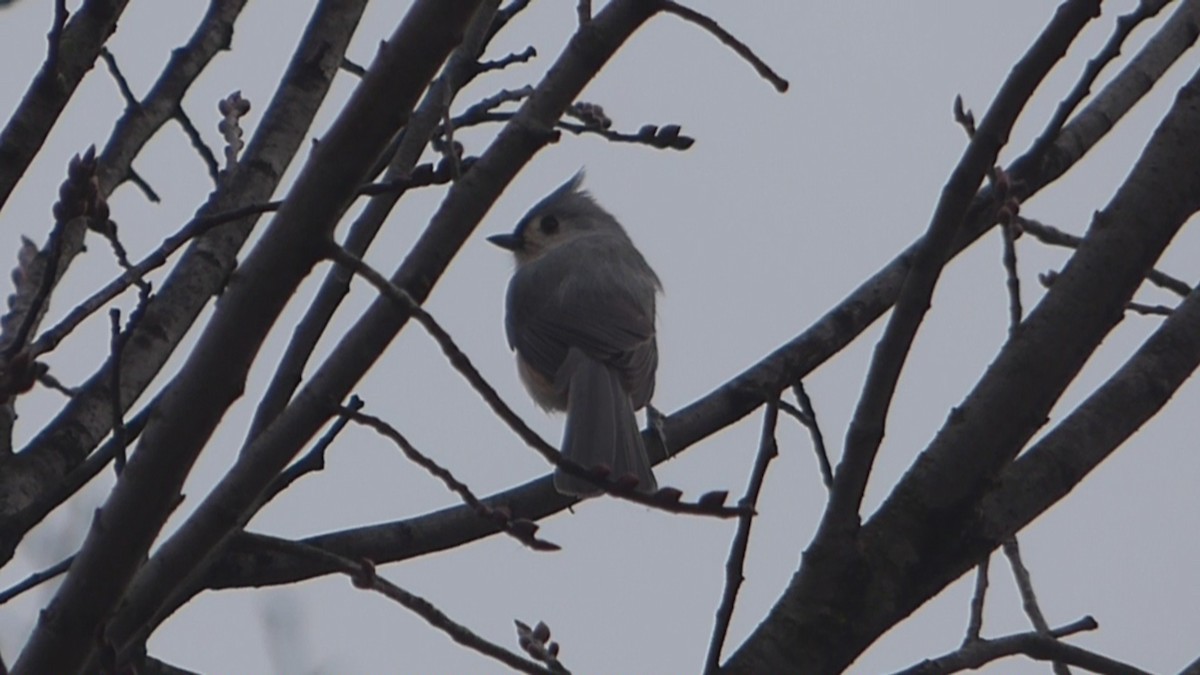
{"type": "Point", "coordinates": [511, 242]}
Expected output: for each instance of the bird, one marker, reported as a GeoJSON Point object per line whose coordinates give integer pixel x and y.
{"type": "Point", "coordinates": [580, 315]}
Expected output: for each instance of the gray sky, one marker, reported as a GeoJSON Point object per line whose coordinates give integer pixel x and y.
{"type": "Point", "coordinates": [784, 204]}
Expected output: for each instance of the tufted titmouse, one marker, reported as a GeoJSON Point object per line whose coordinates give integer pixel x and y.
{"type": "Point", "coordinates": [580, 315]}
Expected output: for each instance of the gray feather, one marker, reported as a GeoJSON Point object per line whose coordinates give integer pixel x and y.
{"type": "Point", "coordinates": [601, 429]}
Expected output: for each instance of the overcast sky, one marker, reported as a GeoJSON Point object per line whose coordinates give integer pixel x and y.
{"type": "Point", "coordinates": [783, 206]}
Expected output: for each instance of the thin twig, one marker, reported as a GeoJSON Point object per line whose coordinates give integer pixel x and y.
{"type": "Point", "coordinates": [36, 579]}
{"type": "Point", "coordinates": [353, 68]}
{"type": "Point", "coordinates": [490, 103]}
{"type": "Point", "coordinates": [521, 529]}
{"type": "Point", "coordinates": [727, 38]}
{"type": "Point", "coordinates": [194, 228]}
{"type": "Point", "coordinates": [142, 184]}
{"type": "Point", "coordinates": [1007, 216]}
{"type": "Point", "coordinates": [1149, 310]}
{"type": "Point", "coordinates": [583, 9]}
{"type": "Point", "coordinates": [110, 233]}
{"type": "Point", "coordinates": [314, 459]}
{"type": "Point", "coordinates": [664, 499]}
{"type": "Point", "coordinates": [1146, 9]}
{"type": "Point", "coordinates": [1029, 600]}
{"type": "Point", "coordinates": [1048, 234]}
{"type": "Point", "coordinates": [503, 16]}
{"type": "Point", "coordinates": [978, 597]}
{"type": "Point", "coordinates": [814, 430]}
{"type": "Point", "coordinates": [505, 61]}
{"type": "Point", "coordinates": [1042, 647]}
{"type": "Point", "coordinates": [363, 575]}
{"type": "Point", "coordinates": [736, 564]}
{"type": "Point", "coordinates": [206, 154]}
{"type": "Point", "coordinates": [52, 383]}
{"type": "Point", "coordinates": [663, 138]}
{"type": "Point", "coordinates": [131, 99]}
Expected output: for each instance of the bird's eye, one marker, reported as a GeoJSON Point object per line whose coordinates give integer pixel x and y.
{"type": "Point", "coordinates": [549, 225]}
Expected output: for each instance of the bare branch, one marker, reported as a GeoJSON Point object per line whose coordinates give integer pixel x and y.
{"type": "Point", "coordinates": [727, 38]}
{"type": "Point", "coordinates": [54, 85]}
{"type": "Point", "coordinates": [978, 597]}
{"type": "Point", "coordinates": [1146, 9]}
{"type": "Point", "coordinates": [362, 574]}
{"type": "Point", "coordinates": [809, 420]}
{"type": "Point", "coordinates": [522, 56]}
{"type": "Point", "coordinates": [197, 227]}
{"type": "Point", "coordinates": [1034, 645]}
{"type": "Point", "coordinates": [1049, 234]}
{"type": "Point", "coordinates": [67, 486]}
{"type": "Point", "coordinates": [1029, 601]}
{"type": "Point", "coordinates": [197, 141]}
{"type": "Point", "coordinates": [402, 173]}
{"type": "Point", "coordinates": [735, 565]}
{"type": "Point", "coordinates": [143, 119]}
{"type": "Point", "coordinates": [867, 425]}
{"type": "Point", "coordinates": [524, 531]}
{"type": "Point", "coordinates": [36, 579]}
{"type": "Point", "coordinates": [119, 77]}
{"type": "Point", "coordinates": [314, 459]}
{"type": "Point", "coordinates": [117, 343]}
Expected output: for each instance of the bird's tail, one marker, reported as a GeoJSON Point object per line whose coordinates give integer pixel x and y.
{"type": "Point", "coordinates": [601, 429]}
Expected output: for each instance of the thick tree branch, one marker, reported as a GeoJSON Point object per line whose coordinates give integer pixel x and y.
{"type": "Point", "coordinates": [214, 375]}
{"type": "Point", "coordinates": [459, 69]}
{"type": "Point", "coordinates": [201, 272]}
{"type": "Point", "coordinates": [920, 538]}
{"type": "Point", "coordinates": [67, 630]}
{"type": "Point", "coordinates": [867, 426]}
{"type": "Point", "coordinates": [73, 53]}
{"type": "Point", "coordinates": [140, 122]}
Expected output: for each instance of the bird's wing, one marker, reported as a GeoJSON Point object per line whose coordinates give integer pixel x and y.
{"type": "Point", "coordinates": [607, 311]}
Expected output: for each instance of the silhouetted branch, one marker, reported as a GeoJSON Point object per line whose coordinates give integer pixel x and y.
{"type": "Point", "coordinates": [808, 417]}
{"type": "Point", "coordinates": [119, 77]}
{"type": "Point", "coordinates": [524, 531]}
{"type": "Point", "coordinates": [362, 574]}
{"type": "Point", "coordinates": [197, 141]}
{"type": "Point", "coordinates": [736, 563]}
{"type": "Point", "coordinates": [1049, 234]}
{"type": "Point", "coordinates": [1146, 9]}
{"type": "Point", "coordinates": [36, 579]}
{"type": "Point", "coordinates": [1029, 601]}
{"type": "Point", "coordinates": [867, 425]}
{"type": "Point", "coordinates": [727, 38]}
{"type": "Point", "coordinates": [159, 256]}
{"type": "Point", "coordinates": [522, 56]}
{"type": "Point", "coordinates": [978, 598]}
{"type": "Point", "coordinates": [314, 459]}
{"type": "Point", "coordinates": [1036, 646]}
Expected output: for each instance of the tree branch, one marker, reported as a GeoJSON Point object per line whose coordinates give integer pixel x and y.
{"type": "Point", "coordinates": [867, 425]}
